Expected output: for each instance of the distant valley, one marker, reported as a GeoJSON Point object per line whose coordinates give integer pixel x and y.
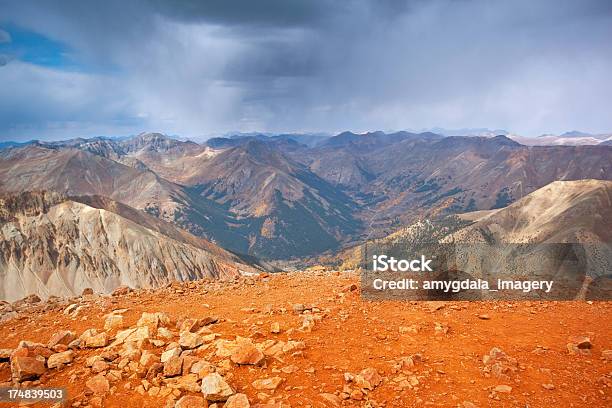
{"type": "Point", "coordinates": [291, 196]}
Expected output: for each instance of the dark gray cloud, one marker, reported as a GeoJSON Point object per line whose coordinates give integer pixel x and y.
{"type": "Point", "coordinates": [202, 67]}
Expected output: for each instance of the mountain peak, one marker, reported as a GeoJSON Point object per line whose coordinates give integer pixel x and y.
{"type": "Point", "coordinates": [505, 140]}
{"type": "Point", "coordinates": [154, 141]}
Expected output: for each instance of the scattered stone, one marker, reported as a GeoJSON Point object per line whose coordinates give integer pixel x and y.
{"type": "Point", "coordinates": [27, 368]}
{"type": "Point", "coordinates": [190, 340]}
{"type": "Point", "coordinates": [247, 353]}
{"type": "Point", "coordinates": [267, 383]}
{"type": "Point", "coordinates": [582, 342]}
{"type": "Point", "coordinates": [190, 325]}
{"type": "Point", "coordinates": [368, 379]}
{"type": "Point", "coordinates": [434, 306]}
{"type": "Point", "coordinates": [579, 345]}
{"type": "Point", "coordinates": [147, 359]}
{"type": "Point", "coordinates": [188, 362]}
{"type": "Point", "coordinates": [173, 352]}
{"type": "Point", "coordinates": [441, 328]}
{"type": "Point", "coordinates": [499, 364]}
{"type": "Point", "coordinates": [139, 334]}
{"type": "Point", "coordinates": [209, 320]}
{"type": "Point", "coordinates": [70, 309]}
{"type": "Point", "coordinates": [190, 401]}
{"type": "Point", "coordinates": [409, 329]}
{"type": "Point", "coordinates": [275, 328]}
{"type": "Point", "coordinates": [98, 385]}
{"type": "Point", "coordinates": [28, 300]}
{"type": "Point", "coordinates": [289, 369]}
{"type": "Point", "coordinates": [356, 395]}
{"type": "Point", "coordinates": [154, 370]}
{"type": "Point", "coordinates": [99, 366]}
{"type": "Point", "coordinates": [91, 360]}
{"type": "Point", "coordinates": [333, 399]}
{"type": "Point", "coordinates": [113, 322]}
{"type": "Point", "coordinates": [225, 348]}
{"type": "Point", "coordinates": [62, 337]}
{"type": "Point", "coordinates": [237, 401]}
{"type": "Point", "coordinates": [214, 388]}
{"type": "Point", "coordinates": [164, 333]}
{"type": "Point", "coordinates": [121, 291]}
{"type": "Point", "coordinates": [58, 359]}
{"type": "Point", "coordinates": [92, 339]}
{"type": "Point", "coordinates": [153, 320]}
{"type": "Point", "coordinates": [504, 389]}
{"type": "Point", "coordinates": [606, 355]}
{"type": "Point", "coordinates": [548, 386]}
{"type": "Point", "coordinates": [114, 375]}
{"type": "Point", "coordinates": [87, 291]}
{"type": "Point", "coordinates": [75, 344]}
{"type": "Point", "coordinates": [173, 367]}
{"type": "Point", "coordinates": [5, 354]}
{"type": "Point", "coordinates": [484, 317]}
{"type": "Point", "coordinates": [202, 368]}
{"type": "Point", "coordinates": [350, 288]}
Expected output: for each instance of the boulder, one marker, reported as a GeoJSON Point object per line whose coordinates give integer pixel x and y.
{"type": "Point", "coordinates": [62, 337]}
{"type": "Point", "coordinates": [215, 388]}
{"type": "Point", "coordinates": [92, 339]}
{"type": "Point", "coordinates": [58, 359]}
{"type": "Point", "coordinates": [113, 322]}
{"type": "Point", "coordinates": [27, 368]}
{"type": "Point", "coordinates": [190, 340]}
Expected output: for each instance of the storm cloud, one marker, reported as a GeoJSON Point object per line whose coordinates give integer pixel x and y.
{"type": "Point", "coordinates": [197, 68]}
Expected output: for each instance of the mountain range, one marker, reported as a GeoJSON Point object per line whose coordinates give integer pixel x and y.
{"type": "Point", "coordinates": [277, 198]}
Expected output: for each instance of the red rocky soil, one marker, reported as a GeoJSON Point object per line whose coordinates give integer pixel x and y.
{"type": "Point", "coordinates": [307, 340]}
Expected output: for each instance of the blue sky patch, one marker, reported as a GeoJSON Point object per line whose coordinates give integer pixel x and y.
{"type": "Point", "coordinates": [34, 48]}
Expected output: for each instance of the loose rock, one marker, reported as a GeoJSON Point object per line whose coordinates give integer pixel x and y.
{"type": "Point", "coordinates": [98, 385]}
{"type": "Point", "coordinates": [247, 353]}
{"type": "Point", "coordinates": [237, 401]}
{"type": "Point", "coordinates": [215, 388]}
{"type": "Point", "coordinates": [190, 401]}
{"type": "Point", "coordinates": [58, 359]}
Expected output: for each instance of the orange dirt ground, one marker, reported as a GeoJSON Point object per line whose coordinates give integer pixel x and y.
{"type": "Point", "coordinates": [352, 335]}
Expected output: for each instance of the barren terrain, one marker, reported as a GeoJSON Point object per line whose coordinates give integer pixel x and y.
{"type": "Point", "coordinates": [354, 353]}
